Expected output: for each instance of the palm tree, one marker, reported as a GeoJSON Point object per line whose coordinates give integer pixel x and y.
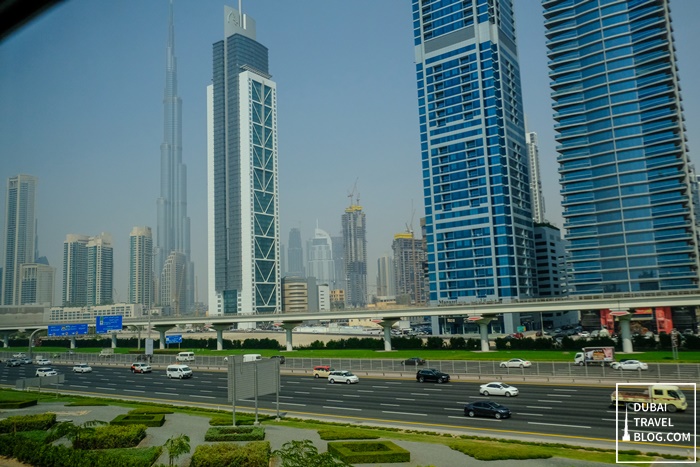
{"type": "Point", "coordinates": [177, 446]}
{"type": "Point", "coordinates": [73, 432]}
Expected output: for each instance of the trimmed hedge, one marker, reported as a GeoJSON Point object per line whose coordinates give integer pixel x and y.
{"type": "Point", "coordinates": [34, 452]}
{"type": "Point", "coordinates": [152, 410]}
{"type": "Point", "coordinates": [346, 433]}
{"type": "Point", "coordinates": [368, 452]}
{"type": "Point", "coordinates": [17, 404]}
{"type": "Point", "coordinates": [147, 419]}
{"type": "Point", "coordinates": [253, 454]}
{"type": "Point", "coordinates": [241, 419]}
{"type": "Point", "coordinates": [16, 423]}
{"type": "Point", "coordinates": [111, 437]}
{"type": "Point", "coordinates": [235, 433]}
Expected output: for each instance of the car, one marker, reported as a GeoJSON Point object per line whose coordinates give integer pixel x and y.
{"type": "Point", "coordinates": [45, 371]}
{"type": "Point", "coordinates": [281, 358]}
{"type": "Point", "coordinates": [82, 368]}
{"type": "Point", "coordinates": [585, 334]}
{"type": "Point", "coordinates": [25, 361]}
{"type": "Point", "coordinates": [342, 376]}
{"type": "Point", "coordinates": [413, 361]}
{"type": "Point", "coordinates": [19, 355]}
{"type": "Point", "coordinates": [431, 374]}
{"type": "Point", "coordinates": [322, 371]}
{"type": "Point", "coordinates": [498, 389]}
{"type": "Point", "coordinates": [13, 362]}
{"type": "Point", "coordinates": [486, 409]}
{"type": "Point", "coordinates": [629, 365]}
{"type": "Point", "coordinates": [140, 367]}
{"type": "Point", "coordinates": [43, 361]}
{"type": "Point", "coordinates": [516, 363]}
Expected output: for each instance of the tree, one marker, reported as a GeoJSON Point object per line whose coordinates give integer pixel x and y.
{"type": "Point", "coordinates": [74, 432]}
{"type": "Point", "coordinates": [304, 454]}
{"type": "Point", "coordinates": [177, 446]}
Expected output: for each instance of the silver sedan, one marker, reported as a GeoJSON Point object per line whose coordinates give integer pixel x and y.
{"type": "Point", "coordinates": [498, 389]}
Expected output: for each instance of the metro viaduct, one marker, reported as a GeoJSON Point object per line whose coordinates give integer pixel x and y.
{"type": "Point", "coordinates": [480, 313]}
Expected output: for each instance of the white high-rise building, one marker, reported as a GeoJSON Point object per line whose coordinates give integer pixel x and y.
{"type": "Point", "coordinates": [386, 284]}
{"type": "Point", "coordinates": [36, 284]}
{"type": "Point", "coordinates": [141, 266]}
{"type": "Point", "coordinates": [244, 246]}
{"type": "Point", "coordinates": [100, 270]}
{"type": "Point", "coordinates": [535, 178]}
{"type": "Point", "coordinates": [320, 263]}
{"type": "Point", "coordinates": [75, 271]}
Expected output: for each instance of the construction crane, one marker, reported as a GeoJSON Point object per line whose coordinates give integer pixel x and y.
{"type": "Point", "coordinates": [354, 194]}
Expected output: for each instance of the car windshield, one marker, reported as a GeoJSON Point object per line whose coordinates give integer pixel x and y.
{"type": "Point", "coordinates": [495, 405]}
{"type": "Point", "coordinates": [185, 368]}
{"type": "Point", "coordinates": [506, 385]}
{"type": "Point", "coordinates": [347, 373]}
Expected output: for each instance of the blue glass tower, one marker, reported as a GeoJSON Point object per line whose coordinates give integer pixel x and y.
{"type": "Point", "coordinates": [623, 161]}
{"type": "Point", "coordinates": [244, 234]}
{"type": "Point", "coordinates": [479, 230]}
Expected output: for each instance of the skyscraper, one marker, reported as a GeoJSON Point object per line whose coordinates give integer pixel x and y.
{"type": "Point", "coordinates": [141, 266]}
{"type": "Point", "coordinates": [355, 248]}
{"type": "Point", "coordinates": [20, 234]}
{"type": "Point", "coordinates": [385, 276]}
{"type": "Point", "coordinates": [478, 215]}
{"type": "Point", "coordinates": [36, 284]}
{"type": "Point", "coordinates": [172, 278]}
{"type": "Point", "coordinates": [295, 263]}
{"type": "Point", "coordinates": [409, 256]}
{"type": "Point", "coordinates": [242, 174]}
{"type": "Point", "coordinates": [623, 161]}
{"type": "Point", "coordinates": [173, 232]}
{"type": "Point", "coordinates": [320, 258]}
{"type": "Point", "coordinates": [75, 270]}
{"type": "Point", "coordinates": [535, 178]}
{"type": "Point", "coordinates": [100, 270]}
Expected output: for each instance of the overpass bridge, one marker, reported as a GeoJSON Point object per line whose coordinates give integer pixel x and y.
{"type": "Point", "coordinates": [480, 313]}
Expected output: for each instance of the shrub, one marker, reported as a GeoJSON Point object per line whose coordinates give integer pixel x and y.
{"type": "Point", "coordinates": [487, 452]}
{"type": "Point", "coordinates": [147, 419]}
{"type": "Point", "coordinates": [17, 404]}
{"type": "Point", "coordinates": [253, 454]}
{"type": "Point", "coordinates": [458, 343]}
{"type": "Point", "coordinates": [16, 423]}
{"type": "Point", "coordinates": [110, 437]}
{"type": "Point", "coordinates": [368, 452]}
{"type": "Point", "coordinates": [304, 454]}
{"type": "Point", "coordinates": [434, 342]}
{"type": "Point", "coordinates": [152, 410]}
{"type": "Point", "coordinates": [235, 433]}
{"type": "Point", "coordinates": [241, 419]}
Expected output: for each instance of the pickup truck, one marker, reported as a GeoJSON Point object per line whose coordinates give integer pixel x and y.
{"type": "Point", "coordinates": [106, 352]}
{"type": "Point", "coordinates": [664, 397]}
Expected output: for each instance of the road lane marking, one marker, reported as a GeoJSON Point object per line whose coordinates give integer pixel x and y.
{"type": "Point", "coordinates": [107, 389]}
{"type": "Point", "coordinates": [538, 407]}
{"type": "Point", "coordinates": [567, 390]}
{"type": "Point", "coordinates": [560, 395]}
{"type": "Point", "coordinates": [166, 394]}
{"type": "Point", "coordinates": [302, 392]}
{"type": "Point", "coordinates": [474, 418]}
{"type": "Point", "coordinates": [350, 395]}
{"type": "Point", "coordinates": [391, 405]}
{"type": "Point", "coordinates": [286, 397]}
{"type": "Point", "coordinates": [292, 403]}
{"type": "Point", "coordinates": [335, 400]}
{"type": "Point", "coordinates": [77, 386]}
{"type": "Point", "coordinates": [293, 382]}
{"type": "Point", "coordinates": [404, 399]}
{"type": "Point", "coordinates": [456, 410]}
{"type": "Point", "coordinates": [545, 400]}
{"type": "Point", "coordinates": [432, 389]}
{"type": "Point", "coordinates": [381, 387]}
{"type": "Point", "coordinates": [391, 382]}
{"type": "Point", "coordinates": [134, 390]}
{"type": "Point", "coordinates": [364, 390]}
{"type": "Point", "coordinates": [319, 389]}
{"type": "Point", "coordinates": [341, 408]}
{"type": "Point", "coordinates": [203, 397]}
{"type": "Point", "coordinates": [557, 424]}
{"type": "Point", "coordinates": [406, 413]}
{"type": "Point", "coordinates": [478, 397]}
{"type": "Point", "coordinates": [420, 394]}
{"type": "Point", "coordinates": [205, 390]}
{"type": "Point", "coordinates": [531, 414]}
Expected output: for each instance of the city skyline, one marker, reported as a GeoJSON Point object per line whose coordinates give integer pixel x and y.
{"type": "Point", "coordinates": [365, 121]}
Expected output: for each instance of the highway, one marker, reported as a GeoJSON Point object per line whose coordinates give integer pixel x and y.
{"type": "Point", "coordinates": [554, 413]}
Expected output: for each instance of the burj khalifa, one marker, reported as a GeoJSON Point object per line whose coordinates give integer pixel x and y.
{"type": "Point", "coordinates": [174, 270]}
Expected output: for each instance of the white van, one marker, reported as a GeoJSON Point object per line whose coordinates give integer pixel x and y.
{"type": "Point", "coordinates": [178, 371]}
{"type": "Point", "coordinates": [185, 357]}
{"type": "Point", "coordinates": [251, 357]}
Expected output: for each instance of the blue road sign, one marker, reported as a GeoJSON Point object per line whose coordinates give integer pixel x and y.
{"type": "Point", "coordinates": [174, 339]}
{"type": "Point", "coordinates": [67, 329]}
{"type": "Point", "coordinates": [105, 324]}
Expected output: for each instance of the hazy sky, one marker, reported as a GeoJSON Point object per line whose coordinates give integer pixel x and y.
{"type": "Point", "coordinates": [81, 91]}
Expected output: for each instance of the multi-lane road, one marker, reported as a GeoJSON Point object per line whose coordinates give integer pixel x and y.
{"type": "Point", "coordinates": [552, 412]}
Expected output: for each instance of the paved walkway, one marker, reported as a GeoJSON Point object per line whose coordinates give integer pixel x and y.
{"type": "Point", "coordinates": [422, 454]}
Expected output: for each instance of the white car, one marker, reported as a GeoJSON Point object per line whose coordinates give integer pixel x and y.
{"type": "Point", "coordinates": [498, 389]}
{"type": "Point", "coordinates": [584, 334]}
{"type": "Point", "coordinates": [82, 368]}
{"type": "Point", "coordinates": [19, 355]}
{"type": "Point", "coordinates": [342, 377]}
{"type": "Point", "coordinates": [629, 365]}
{"type": "Point", "coordinates": [45, 372]}
{"type": "Point", "coordinates": [516, 363]}
{"type": "Point", "coordinates": [43, 361]}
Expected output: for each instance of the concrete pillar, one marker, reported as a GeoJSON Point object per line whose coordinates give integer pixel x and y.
{"type": "Point", "coordinates": [114, 340]}
{"type": "Point", "coordinates": [161, 335]}
{"type": "Point", "coordinates": [288, 326]}
{"type": "Point", "coordinates": [626, 333]}
{"type": "Point", "coordinates": [72, 342]}
{"type": "Point", "coordinates": [387, 324]}
{"type": "Point", "coordinates": [483, 331]}
{"type": "Point", "coordinates": [6, 339]}
{"type": "Point", "coordinates": [220, 328]}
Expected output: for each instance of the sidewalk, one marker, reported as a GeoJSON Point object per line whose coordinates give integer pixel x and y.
{"type": "Point", "coordinates": [422, 454]}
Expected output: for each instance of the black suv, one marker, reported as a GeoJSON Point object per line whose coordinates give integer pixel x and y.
{"type": "Point", "coordinates": [486, 409]}
{"type": "Point", "coordinates": [413, 361]}
{"type": "Point", "coordinates": [431, 374]}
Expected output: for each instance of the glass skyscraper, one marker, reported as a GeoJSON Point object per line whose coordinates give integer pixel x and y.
{"type": "Point", "coordinates": [141, 266]}
{"type": "Point", "coordinates": [478, 217]}
{"type": "Point", "coordinates": [242, 174]}
{"type": "Point", "coordinates": [623, 162]}
{"type": "Point", "coordinates": [355, 248]}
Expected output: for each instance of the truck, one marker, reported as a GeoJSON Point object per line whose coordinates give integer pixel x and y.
{"type": "Point", "coordinates": [106, 352]}
{"type": "Point", "coordinates": [595, 356]}
{"type": "Point", "coordinates": [655, 398]}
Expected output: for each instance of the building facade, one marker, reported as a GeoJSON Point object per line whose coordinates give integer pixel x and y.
{"type": "Point", "coordinates": [295, 294]}
{"type": "Point", "coordinates": [141, 266]}
{"type": "Point", "coordinates": [355, 249]}
{"type": "Point", "coordinates": [173, 231]}
{"type": "Point", "coordinates": [295, 254]}
{"type": "Point", "coordinates": [244, 275]}
{"type": "Point", "coordinates": [386, 285]}
{"type": "Point", "coordinates": [100, 270]}
{"type": "Point", "coordinates": [536, 195]}
{"type": "Point", "coordinates": [478, 215]}
{"type": "Point", "coordinates": [75, 271]}
{"type": "Point", "coordinates": [36, 284]}
{"type": "Point", "coordinates": [319, 262]}
{"type": "Point", "coordinates": [409, 256]}
{"type": "Point", "coordinates": [623, 161]}
{"type": "Point", "coordinates": [20, 233]}
{"type": "Point", "coordinates": [172, 285]}
{"type": "Point", "coordinates": [550, 251]}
